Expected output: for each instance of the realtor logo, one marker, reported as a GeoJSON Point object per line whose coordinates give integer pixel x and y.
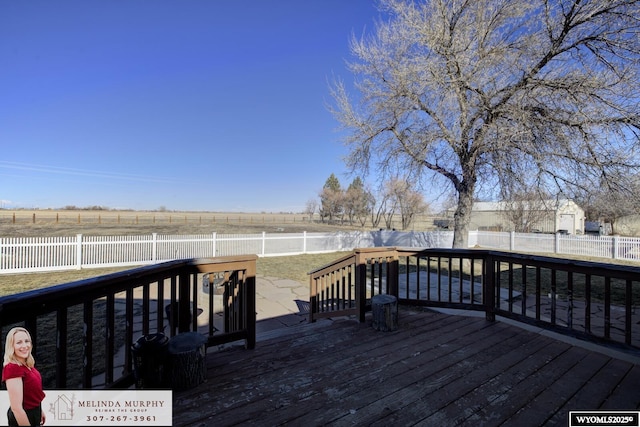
{"type": "Point", "coordinates": [102, 407]}
{"type": "Point", "coordinates": [62, 407]}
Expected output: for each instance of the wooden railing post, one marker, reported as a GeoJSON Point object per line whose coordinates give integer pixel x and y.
{"type": "Point", "coordinates": [250, 284]}
{"type": "Point", "coordinates": [361, 285]}
{"type": "Point", "coordinates": [489, 287]}
{"type": "Point", "coordinates": [313, 297]}
{"type": "Point", "coordinates": [392, 276]}
{"type": "Point", "coordinates": [184, 309]}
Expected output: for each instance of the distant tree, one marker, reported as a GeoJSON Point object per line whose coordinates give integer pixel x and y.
{"type": "Point", "coordinates": [526, 210]}
{"type": "Point", "coordinates": [369, 203]}
{"type": "Point", "coordinates": [388, 205]}
{"type": "Point", "coordinates": [407, 201]}
{"type": "Point", "coordinates": [610, 202]}
{"type": "Point", "coordinates": [376, 207]}
{"type": "Point", "coordinates": [310, 208]}
{"type": "Point", "coordinates": [403, 200]}
{"type": "Point", "coordinates": [477, 93]}
{"type": "Point", "coordinates": [331, 199]}
{"type": "Point", "coordinates": [355, 201]}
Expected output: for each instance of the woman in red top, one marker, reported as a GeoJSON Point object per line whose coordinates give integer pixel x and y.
{"type": "Point", "coordinates": [23, 380]}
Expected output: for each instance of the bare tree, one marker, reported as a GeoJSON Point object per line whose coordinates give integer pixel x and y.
{"type": "Point", "coordinates": [405, 200]}
{"type": "Point", "coordinates": [391, 205]}
{"type": "Point", "coordinates": [377, 208]}
{"type": "Point", "coordinates": [526, 212]}
{"type": "Point", "coordinates": [476, 94]}
{"type": "Point", "coordinates": [609, 203]}
{"type": "Point", "coordinates": [369, 204]}
{"type": "Point", "coordinates": [310, 208]}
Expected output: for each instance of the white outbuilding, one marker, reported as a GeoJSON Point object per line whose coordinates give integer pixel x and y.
{"type": "Point", "coordinates": [546, 216]}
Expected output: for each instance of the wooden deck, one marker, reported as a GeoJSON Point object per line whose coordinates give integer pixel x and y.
{"type": "Point", "coordinates": [436, 369]}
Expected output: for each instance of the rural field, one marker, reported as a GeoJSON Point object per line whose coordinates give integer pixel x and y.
{"type": "Point", "coordinates": [44, 223]}
{"type": "Point", "coordinates": [69, 223]}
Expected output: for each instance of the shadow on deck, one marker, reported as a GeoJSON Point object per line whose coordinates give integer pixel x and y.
{"type": "Point", "coordinates": [436, 369]}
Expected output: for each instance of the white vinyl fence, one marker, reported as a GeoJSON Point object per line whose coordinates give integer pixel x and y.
{"type": "Point", "coordinates": [37, 254]}
{"type": "Point", "coordinates": [612, 247]}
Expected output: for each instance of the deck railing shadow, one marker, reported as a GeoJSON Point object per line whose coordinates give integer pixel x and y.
{"type": "Point", "coordinates": [587, 300]}
{"type": "Point", "coordinates": [83, 331]}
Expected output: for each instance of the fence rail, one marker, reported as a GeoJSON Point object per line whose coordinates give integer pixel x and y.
{"type": "Point", "coordinates": [39, 254]}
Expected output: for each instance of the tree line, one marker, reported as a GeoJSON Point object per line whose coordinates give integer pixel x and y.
{"type": "Point", "coordinates": [358, 204]}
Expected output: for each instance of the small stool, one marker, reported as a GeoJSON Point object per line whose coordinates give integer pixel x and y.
{"type": "Point", "coordinates": [385, 312]}
{"type": "Point", "coordinates": [186, 354]}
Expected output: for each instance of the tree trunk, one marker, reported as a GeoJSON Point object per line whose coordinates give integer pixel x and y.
{"type": "Point", "coordinates": [462, 217]}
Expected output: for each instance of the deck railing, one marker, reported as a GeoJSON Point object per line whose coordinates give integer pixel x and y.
{"type": "Point", "coordinates": [593, 301]}
{"type": "Point", "coordinates": [83, 331]}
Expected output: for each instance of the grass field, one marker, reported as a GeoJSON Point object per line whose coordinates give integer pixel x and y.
{"type": "Point", "coordinates": [44, 223]}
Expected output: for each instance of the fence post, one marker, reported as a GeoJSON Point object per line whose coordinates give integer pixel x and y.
{"type": "Point", "coordinates": [154, 248]}
{"type": "Point", "coordinates": [214, 242]}
{"type": "Point", "coordinates": [264, 240]}
{"type": "Point", "coordinates": [616, 243]}
{"type": "Point", "coordinates": [512, 241]}
{"type": "Point", "coordinates": [304, 242]}
{"type": "Point", "coordinates": [556, 246]}
{"type": "Point", "coordinates": [79, 251]}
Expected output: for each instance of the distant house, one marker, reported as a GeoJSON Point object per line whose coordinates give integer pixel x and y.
{"type": "Point", "coordinates": [546, 216]}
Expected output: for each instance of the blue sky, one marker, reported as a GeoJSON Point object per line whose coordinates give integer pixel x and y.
{"type": "Point", "coordinates": [188, 105]}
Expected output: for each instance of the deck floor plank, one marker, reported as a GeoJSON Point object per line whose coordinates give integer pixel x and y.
{"type": "Point", "coordinates": [355, 367]}
{"type": "Point", "coordinates": [595, 391]}
{"type": "Point", "coordinates": [481, 370]}
{"type": "Point", "coordinates": [570, 389]}
{"type": "Point", "coordinates": [435, 369]}
{"type": "Point", "coordinates": [400, 378]}
{"type": "Point", "coordinates": [272, 368]}
{"type": "Point", "coordinates": [626, 394]}
{"type": "Point", "coordinates": [506, 403]}
{"type": "Point", "coordinates": [428, 393]}
{"type": "Point", "coordinates": [522, 362]}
